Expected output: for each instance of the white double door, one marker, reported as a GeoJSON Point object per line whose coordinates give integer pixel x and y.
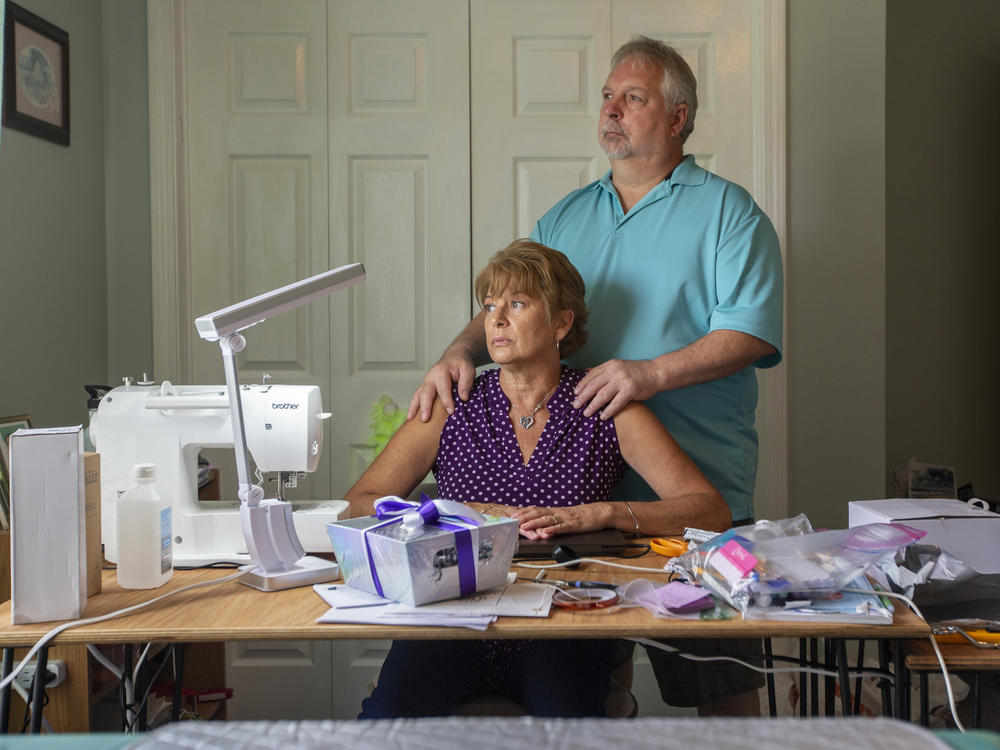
{"type": "Point", "coordinates": [416, 138]}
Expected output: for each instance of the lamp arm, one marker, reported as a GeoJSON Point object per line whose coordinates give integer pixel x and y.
{"type": "Point", "coordinates": [232, 345]}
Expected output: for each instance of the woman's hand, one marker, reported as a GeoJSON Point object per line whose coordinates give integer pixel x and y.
{"type": "Point", "coordinates": [545, 523]}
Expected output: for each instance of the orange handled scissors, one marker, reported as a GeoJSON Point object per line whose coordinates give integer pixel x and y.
{"type": "Point", "coordinates": [670, 547]}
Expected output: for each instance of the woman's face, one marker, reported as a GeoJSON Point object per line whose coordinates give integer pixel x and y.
{"type": "Point", "coordinates": [518, 329]}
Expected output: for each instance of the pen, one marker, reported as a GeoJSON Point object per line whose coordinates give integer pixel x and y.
{"type": "Point", "coordinates": [590, 585]}
{"type": "Point", "coordinates": [572, 584]}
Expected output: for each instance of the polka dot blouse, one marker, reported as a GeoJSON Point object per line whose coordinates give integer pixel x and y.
{"type": "Point", "coordinates": [577, 459]}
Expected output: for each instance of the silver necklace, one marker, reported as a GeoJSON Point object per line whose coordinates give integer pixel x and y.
{"type": "Point", "coordinates": [529, 419]}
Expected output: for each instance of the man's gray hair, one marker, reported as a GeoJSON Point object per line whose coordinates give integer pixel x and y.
{"type": "Point", "coordinates": [678, 84]}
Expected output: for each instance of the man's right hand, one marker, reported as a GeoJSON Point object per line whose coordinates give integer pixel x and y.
{"type": "Point", "coordinates": [451, 368]}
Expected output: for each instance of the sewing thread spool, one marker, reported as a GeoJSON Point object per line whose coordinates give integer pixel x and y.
{"type": "Point", "coordinates": [145, 542]}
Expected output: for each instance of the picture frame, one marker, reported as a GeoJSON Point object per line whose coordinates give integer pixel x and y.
{"type": "Point", "coordinates": [36, 75]}
{"type": "Point", "coordinates": [8, 426]}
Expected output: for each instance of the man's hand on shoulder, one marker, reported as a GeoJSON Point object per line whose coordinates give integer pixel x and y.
{"type": "Point", "coordinates": [609, 387]}
{"type": "Point", "coordinates": [451, 368]}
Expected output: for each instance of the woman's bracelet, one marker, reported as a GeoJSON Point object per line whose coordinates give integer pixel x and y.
{"type": "Point", "coordinates": [635, 532]}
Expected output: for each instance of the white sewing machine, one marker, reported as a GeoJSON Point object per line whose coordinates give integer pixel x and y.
{"type": "Point", "coordinates": [169, 424]}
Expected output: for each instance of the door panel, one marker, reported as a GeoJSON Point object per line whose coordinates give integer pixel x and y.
{"type": "Point", "coordinates": [537, 70]}
{"type": "Point", "coordinates": [715, 38]}
{"type": "Point", "coordinates": [399, 182]}
{"type": "Point", "coordinates": [257, 192]}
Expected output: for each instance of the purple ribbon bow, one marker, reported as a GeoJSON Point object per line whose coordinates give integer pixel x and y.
{"type": "Point", "coordinates": [392, 511]}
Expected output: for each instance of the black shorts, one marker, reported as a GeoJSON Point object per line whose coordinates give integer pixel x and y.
{"type": "Point", "coordinates": [687, 683]}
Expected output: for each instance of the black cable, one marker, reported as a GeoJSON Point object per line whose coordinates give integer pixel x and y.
{"type": "Point", "coordinates": [27, 704]}
{"type": "Point", "coordinates": [141, 706]}
{"type": "Point", "coordinates": [638, 551]}
{"type": "Point", "coordinates": [219, 564]}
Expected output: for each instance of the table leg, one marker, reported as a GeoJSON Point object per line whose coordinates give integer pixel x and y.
{"type": "Point", "coordinates": [814, 678]}
{"type": "Point", "coordinates": [845, 679]}
{"type": "Point", "coordinates": [883, 664]}
{"type": "Point", "coordinates": [977, 679]}
{"type": "Point", "coordinates": [803, 681]}
{"type": "Point", "coordinates": [924, 701]}
{"type": "Point", "coordinates": [858, 684]}
{"type": "Point", "coordinates": [38, 690]}
{"type": "Point", "coordinates": [902, 681]}
{"type": "Point", "coordinates": [175, 709]}
{"type": "Point", "coordinates": [8, 667]}
{"type": "Point", "coordinates": [126, 687]}
{"type": "Point", "coordinates": [138, 685]}
{"type": "Point", "coordinates": [829, 682]}
{"type": "Point", "coordinates": [772, 704]}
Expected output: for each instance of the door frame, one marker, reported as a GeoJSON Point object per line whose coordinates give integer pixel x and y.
{"type": "Point", "coordinates": [172, 315]}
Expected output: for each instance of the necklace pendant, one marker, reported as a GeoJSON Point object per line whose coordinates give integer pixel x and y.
{"type": "Point", "coordinates": [527, 421]}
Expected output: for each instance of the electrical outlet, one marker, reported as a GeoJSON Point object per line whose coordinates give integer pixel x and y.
{"type": "Point", "coordinates": [56, 673]}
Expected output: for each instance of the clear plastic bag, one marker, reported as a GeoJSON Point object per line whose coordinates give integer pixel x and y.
{"type": "Point", "coordinates": [746, 570]}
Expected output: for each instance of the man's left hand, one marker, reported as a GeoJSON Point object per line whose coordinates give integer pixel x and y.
{"type": "Point", "coordinates": [608, 388]}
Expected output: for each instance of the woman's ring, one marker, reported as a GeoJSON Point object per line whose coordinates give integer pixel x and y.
{"type": "Point", "coordinates": [555, 519]}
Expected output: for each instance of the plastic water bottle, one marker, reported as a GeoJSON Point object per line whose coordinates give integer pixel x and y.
{"type": "Point", "coordinates": [145, 541]}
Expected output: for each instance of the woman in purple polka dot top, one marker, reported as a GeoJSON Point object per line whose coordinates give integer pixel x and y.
{"type": "Point", "coordinates": [516, 447]}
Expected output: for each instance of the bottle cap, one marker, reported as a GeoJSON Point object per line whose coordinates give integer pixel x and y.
{"type": "Point", "coordinates": [144, 471]}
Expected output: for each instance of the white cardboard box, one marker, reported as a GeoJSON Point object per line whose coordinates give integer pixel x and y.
{"type": "Point", "coordinates": [970, 534]}
{"type": "Point", "coordinates": [48, 530]}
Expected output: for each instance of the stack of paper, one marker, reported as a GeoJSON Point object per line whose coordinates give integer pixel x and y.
{"type": "Point", "coordinates": [351, 605]}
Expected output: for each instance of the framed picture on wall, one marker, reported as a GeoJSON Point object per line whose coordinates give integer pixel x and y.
{"type": "Point", "coordinates": [36, 76]}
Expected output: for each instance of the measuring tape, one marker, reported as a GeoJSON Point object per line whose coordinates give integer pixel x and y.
{"type": "Point", "coordinates": [586, 599]}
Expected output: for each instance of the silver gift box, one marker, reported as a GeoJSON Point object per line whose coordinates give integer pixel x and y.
{"type": "Point", "coordinates": [423, 567]}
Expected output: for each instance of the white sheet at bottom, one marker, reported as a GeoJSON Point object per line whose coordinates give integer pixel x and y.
{"type": "Point", "coordinates": [529, 733]}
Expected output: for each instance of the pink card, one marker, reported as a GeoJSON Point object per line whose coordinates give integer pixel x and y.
{"type": "Point", "coordinates": [732, 561]}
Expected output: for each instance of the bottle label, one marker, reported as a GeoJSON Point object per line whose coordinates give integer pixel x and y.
{"type": "Point", "coordinates": [166, 542]}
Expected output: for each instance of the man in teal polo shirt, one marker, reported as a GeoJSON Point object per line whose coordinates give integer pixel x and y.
{"type": "Point", "coordinates": [695, 257]}
{"type": "Point", "coordinates": [684, 281]}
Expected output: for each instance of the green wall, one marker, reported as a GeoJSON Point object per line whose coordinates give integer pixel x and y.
{"type": "Point", "coordinates": [126, 141]}
{"type": "Point", "coordinates": [53, 332]}
{"type": "Point", "coordinates": [836, 256]}
{"type": "Point", "coordinates": [943, 252]}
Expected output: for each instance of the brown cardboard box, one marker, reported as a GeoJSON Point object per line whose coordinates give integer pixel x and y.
{"type": "Point", "coordinates": [92, 513]}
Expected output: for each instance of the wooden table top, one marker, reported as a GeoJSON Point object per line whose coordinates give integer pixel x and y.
{"type": "Point", "coordinates": [920, 657]}
{"type": "Point", "coordinates": [232, 611]}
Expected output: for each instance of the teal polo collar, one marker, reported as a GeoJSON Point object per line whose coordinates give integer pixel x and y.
{"type": "Point", "coordinates": [686, 173]}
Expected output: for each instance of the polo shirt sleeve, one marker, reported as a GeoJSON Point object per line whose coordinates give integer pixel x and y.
{"type": "Point", "coordinates": [749, 282]}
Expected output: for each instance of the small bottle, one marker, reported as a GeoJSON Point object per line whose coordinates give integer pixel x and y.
{"type": "Point", "coordinates": [145, 541]}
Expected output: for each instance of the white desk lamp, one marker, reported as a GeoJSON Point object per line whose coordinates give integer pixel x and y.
{"type": "Point", "coordinates": [277, 558]}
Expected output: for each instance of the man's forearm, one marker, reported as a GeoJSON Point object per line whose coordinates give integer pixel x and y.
{"type": "Point", "coordinates": [716, 355]}
{"type": "Point", "coordinates": [471, 343]}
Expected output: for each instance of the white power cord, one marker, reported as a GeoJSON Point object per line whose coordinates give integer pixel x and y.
{"type": "Point", "coordinates": [934, 643]}
{"type": "Point", "coordinates": [649, 643]}
{"type": "Point", "coordinates": [101, 618]}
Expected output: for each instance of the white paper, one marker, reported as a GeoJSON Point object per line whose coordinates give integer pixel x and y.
{"type": "Point", "coordinates": [378, 616]}
{"type": "Point", "coordinates": [342, 596]}
{"type": "Point", "coordinates": [512, 600]}
{"type": "Point", "coordinates": [350, 605]}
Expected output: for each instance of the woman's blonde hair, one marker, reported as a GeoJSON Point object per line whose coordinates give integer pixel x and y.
{"type": "Point", "coordinates": [539, 271]}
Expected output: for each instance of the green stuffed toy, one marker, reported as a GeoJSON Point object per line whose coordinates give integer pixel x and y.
{"type": "Point", "coordinates": [386, 417]}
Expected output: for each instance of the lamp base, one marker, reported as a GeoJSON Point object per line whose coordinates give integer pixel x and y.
{"type": "Point", "coordinates": [307, 571]}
